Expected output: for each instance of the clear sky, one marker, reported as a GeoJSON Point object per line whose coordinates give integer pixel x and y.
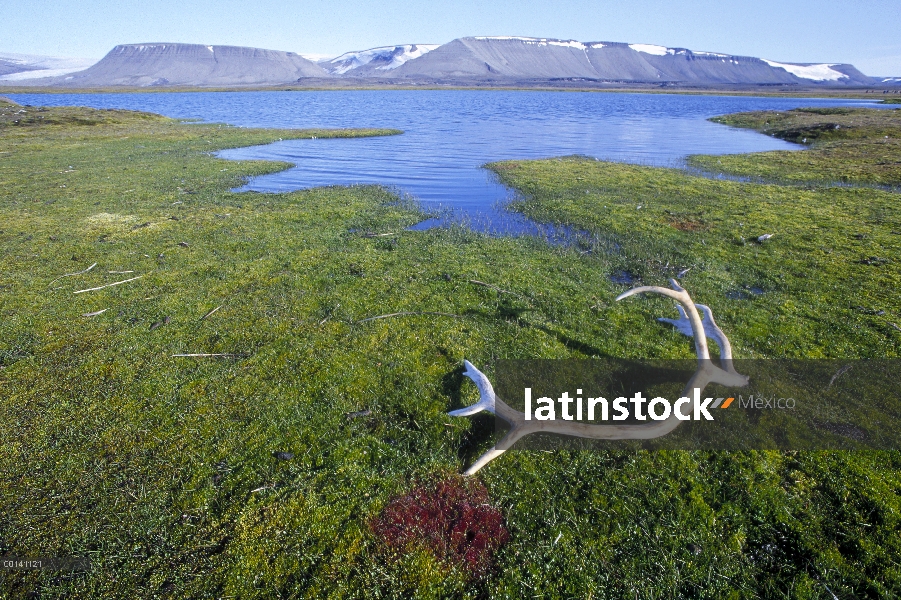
{"type": "Point", "coordinates": [866, 33]}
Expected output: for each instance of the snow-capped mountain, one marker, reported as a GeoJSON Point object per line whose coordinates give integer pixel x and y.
{"type": "Point", "coordinates": [469, 60]}
{"type": "Point", "coordinates": [523, 58]}
{"type": "Point", "coordinates": [375, 61]}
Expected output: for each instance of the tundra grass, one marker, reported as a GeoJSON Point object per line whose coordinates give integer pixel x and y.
{"type": "Point", "coordinates": [161, 468]}
{"type": "Point", "coordinates": [846, 145]}
{"type": "Point", "coordinates": [827, 284]}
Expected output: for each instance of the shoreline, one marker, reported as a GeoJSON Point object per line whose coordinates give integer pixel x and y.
{"type": "Point", "coordinates": [861, 92]}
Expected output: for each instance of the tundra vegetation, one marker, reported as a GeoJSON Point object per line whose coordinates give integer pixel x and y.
{"type": "Point", "coordinates": [847, 145]}
{"type": "Point", "coordinates": [263, 467]}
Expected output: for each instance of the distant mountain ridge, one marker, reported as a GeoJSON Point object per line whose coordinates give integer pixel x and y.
{"type": "Point", "coordinates": [494, 58]}
{"type": "Point", "coordinates": [469, 60]}
{"type": "Point", "coordinates": [194, 64]}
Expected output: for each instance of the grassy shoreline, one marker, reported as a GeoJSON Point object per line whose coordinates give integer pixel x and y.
{"type": "Point", "coordinates": [162, 469]}
{"type": "Point", "coordinates": [846, 145]}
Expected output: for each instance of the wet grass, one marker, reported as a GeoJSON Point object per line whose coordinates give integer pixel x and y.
{"type": "Point", "coordinates": [825, 285]}
{"type": "Point", "coordinates": [847, 145]}
{"type": "Point", "coordinates": [256, 474]}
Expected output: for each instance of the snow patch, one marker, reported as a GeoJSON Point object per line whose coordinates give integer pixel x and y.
{"type": "Point", "coordinates": [318, 57]}
{"type": "Point", "coordinates": [141, 47]}
{"type": "Point", "coordinates": [397, 55]}
{"type": "Point", "coordinates": [37, 74]}
{"type": "Point", "coordinates": [509, 37]}
{"type": "Point", "coordinates": [410, 52]}
{"type": "Point", "coordinates": [821, 72]}
{"type": "Point", "coordinates": [538, 41]}
{"type": "Point", "coordinates": [567, 44]}
{"type": "Point", "coordinates": [652, 49]}
{"type": "Point", "coordinates": [43, 66]}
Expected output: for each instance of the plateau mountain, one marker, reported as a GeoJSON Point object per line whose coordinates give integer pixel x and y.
{"type": "Point", "coordinates": [497, 58]}
{"type": "Point", "coordinates": [193, 64]}
{"type": "Point", "coordinates": [500, 60]}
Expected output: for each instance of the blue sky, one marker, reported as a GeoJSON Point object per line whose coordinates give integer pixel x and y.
{"type": "Point", "coordinates": [864, 33]}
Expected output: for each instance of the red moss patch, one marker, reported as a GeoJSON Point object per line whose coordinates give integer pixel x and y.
{"type": "Point", "coordinates": [451, 518]}
{"type": "Point", "coordinates": [688, 224]}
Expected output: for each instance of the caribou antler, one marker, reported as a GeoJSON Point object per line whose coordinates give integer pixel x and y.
{"type": "Point", "coordinates": [689, 323]}
{"type": "Point", "coordinates": [711, 329]}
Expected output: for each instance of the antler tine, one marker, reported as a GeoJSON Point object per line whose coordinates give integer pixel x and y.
{"type": "Point", "coordinates": [482, 461]}
{"type": "Point", "coordinates": [488, 401]}
{"type": "Point", "coordinates": [486, 393]}
{"type": "Point", "coordinates": [679, 294]}
{"type": "Point", "coordinates": [682, 324]}
{"type": "Point", "coordinates": [499, 448]}
{"type": "Point", "coordinates": [713, 331]}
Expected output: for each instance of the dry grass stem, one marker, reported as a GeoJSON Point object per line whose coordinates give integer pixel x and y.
{"type": "Point", "coordinates": [493, 287]}
{"type": "Point", "coordinates": [208, 355]}
{"type": "Point", "coordinates": [211, 312]}
{"type": "Point", "coordinates": [404, 314]}
{"type": "Point", "coordinates": [72, 274]}
{"type": "Point", "coordinates": [107, 285]}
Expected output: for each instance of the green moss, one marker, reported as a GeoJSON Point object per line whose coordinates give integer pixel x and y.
{"type": "Point", "coordinates": [161, 468]}
{"type": "Point", "coordinates": [847, 145]}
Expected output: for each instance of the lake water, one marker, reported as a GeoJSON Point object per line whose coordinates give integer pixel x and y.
{"type": "Point", "coordinates": [450, 134]}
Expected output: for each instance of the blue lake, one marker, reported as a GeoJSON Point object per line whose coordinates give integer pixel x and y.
{"type": "Point", "coordinates": [450, 134]}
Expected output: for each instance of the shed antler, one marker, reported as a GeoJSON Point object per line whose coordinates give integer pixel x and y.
{"type": "Point", "coordinates": [688, 323]}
